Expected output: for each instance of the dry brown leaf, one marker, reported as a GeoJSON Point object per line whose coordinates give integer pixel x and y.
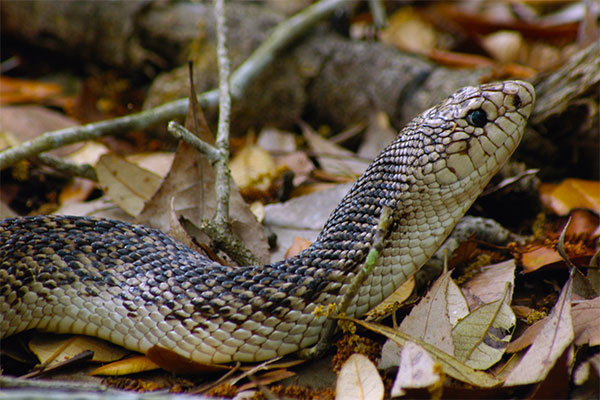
{"type": "Point", "coordinates": [77, 190]}
{"type": "Point", "coordinates": [130, 365]}
{"type": "Point", "coordinates": [416, 370]}
{"type": "Point", "coordinates": [15, 90]}
{"type": "Point", "coordinates": [334, 159]}
{"type": "Point", "coordinates": [359, 380]}
{"type": "Point", "coordinates": [188, 189]}
{"type": "Point", "coordinates": [526, 337]}
{"type": "Point", "coordinates": [462, 60]}
{"type": "Point", "coordinates": [429, 319]}
{"type": "Point", "coordinates": [268, 378]}
{"type": "Point", "coordinates": [173, 362]}
{"type": "Point", "coordinates": [22, 123]}
{"type": "Point", "coordinates": [407, 31]}
{"type": "Point", "coordinates": [489, 284]}
{"type": "Point", "coordinates": [539, 257]}
{"type": "Point", "coordinates": [129, 185]}
{"type": "Point", "coordinates": [297, 246]}
{"type": "Point", "coordinates": [379, 133]}
{"type": "Point", "coordinates": [549, 345]}
{"type": "Point", "coordinates": [276, 141]}
{"type": "Point", "coordinates": [253, 169]}
{"type": "Point", "coordinates": [62, 347]}
{"type": "Point", "coordinates": [297, 162]}
{"type": "Point", "coordinates": [571, 193]}
{"type": "Point", "coordinates": [393, 301]}
{"type": "Point", "coordinates": [504, 46]}
{"type": "Point", "coordinates": [457, 304]}
{"type": "Point", "coordinates": [481, 338]}
{"type": "Point", "coordinates": [450, 364]}
{"type": "Point", "coordinates": [158, 162]}
{"type": "Point", "coordinates": [583, 221]}
{"type": "Point", "coordinates": [586, 322]}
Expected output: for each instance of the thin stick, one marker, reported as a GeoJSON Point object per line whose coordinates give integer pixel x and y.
{"type": "Point", "coordinates": [222, 173]}
{"type": "Point", "coordinates": [382, 231]}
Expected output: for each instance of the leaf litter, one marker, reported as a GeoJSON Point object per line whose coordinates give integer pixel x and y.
{"type": "Point", "coordinates": [550, 342]}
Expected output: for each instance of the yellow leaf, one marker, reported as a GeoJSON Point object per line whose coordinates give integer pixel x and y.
{"type": "Point", "coordinates": [130, 365]}
{"type": "Point", "coordinates": [571, 193]}
{"type": "Point", "coordinates": [391, 303]}
{"type": "Point", "coordinates": [253, 168]}
{"type": "Point", "coordinates": [57, 348]}
{"type": "Point", "coordinates": [407, 31]}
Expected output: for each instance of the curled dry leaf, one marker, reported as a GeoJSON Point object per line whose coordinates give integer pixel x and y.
{"type": "Point", "coordinates": [416, 370]}
{"type": "Point", "coordinates": [393, 301]}
{"type": "Point", "coordinates": [359, 380]}
{"type": "Point", "coordinates": [549, 345]}
{"type": "Point", "coordinates": [481, 338]}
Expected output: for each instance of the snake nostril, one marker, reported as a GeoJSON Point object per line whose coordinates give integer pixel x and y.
{"type": "Point", "coordinates": [516, 101]}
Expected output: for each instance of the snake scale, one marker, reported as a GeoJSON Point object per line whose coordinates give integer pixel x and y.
{"type": "Point", "coordinates": [139, 288]}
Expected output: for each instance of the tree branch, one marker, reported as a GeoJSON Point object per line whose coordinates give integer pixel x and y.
{"type": "Point", "coordinates": [282, 37]}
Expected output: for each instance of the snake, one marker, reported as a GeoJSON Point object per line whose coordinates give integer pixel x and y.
{"type": "Point", "coordinates": [139, 288]}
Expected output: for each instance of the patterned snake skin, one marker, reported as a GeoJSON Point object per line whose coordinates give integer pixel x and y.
{"type": "Point", "coordinates": [138, 288]}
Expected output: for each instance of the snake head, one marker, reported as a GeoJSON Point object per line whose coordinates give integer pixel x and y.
{"type": "Point", "coordinates": [470, 135]}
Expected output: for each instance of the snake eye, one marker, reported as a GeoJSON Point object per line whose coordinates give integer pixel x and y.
{"type": "Point", "coordinates": [477, 118]}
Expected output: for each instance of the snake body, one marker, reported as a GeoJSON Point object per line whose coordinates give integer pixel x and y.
{"type": "Point", "coordinates": [139, 288]}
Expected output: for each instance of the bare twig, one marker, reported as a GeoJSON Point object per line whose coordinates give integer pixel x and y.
{"type": "Point", "coordinates": [70, 169]}
{"type": "Point", "coordinates": [378, 12]}
{"type": "Point", "coordinates": [282, 37]}
{"type": "Point", "coordinates": [381, 233]}
{"type": "Point", "coordinates": [179, 132]}
{"type": "Point", "coordinates": [222, 173]}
